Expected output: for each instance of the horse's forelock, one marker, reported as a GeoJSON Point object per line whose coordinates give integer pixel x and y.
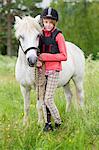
{"type": "Point", "coordinates": [27, 24]}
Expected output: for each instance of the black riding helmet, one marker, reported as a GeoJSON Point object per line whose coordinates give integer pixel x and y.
{"type": "Point", "coordinates": [50, 13]}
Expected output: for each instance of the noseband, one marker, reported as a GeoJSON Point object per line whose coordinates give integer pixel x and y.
{"type": "Point", "coordinates": [28, 49]}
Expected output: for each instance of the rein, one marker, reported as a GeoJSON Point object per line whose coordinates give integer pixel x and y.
{"type": "Point", "coordinates": [28, 49]}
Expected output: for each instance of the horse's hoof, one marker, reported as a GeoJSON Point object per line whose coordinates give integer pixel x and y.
{"type": "Point", "coordinates": [81, 105]}
{"type": "Point", "coordinates": [68, 109]}
{"type": "Point", "coordinates": [25, 121]}
{"type": "Point", "coordinates": [40, 123]}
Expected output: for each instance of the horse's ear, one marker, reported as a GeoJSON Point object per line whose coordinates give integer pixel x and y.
{"type": "Point", "coordinates": [17, 19]}
{"type": "Point", "coordinates": [38, 18]}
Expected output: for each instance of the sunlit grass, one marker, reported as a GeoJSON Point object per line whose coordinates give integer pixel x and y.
{"type": "Point", "coordinates": [79, 130]}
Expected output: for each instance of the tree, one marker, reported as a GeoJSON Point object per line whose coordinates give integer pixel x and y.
{"type": "Point", "coordinates": [8, 9]}
{"type": "Point", "coordinates": [79, 23]}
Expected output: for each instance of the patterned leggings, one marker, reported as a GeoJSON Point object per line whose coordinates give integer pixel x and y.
{"type": "Point", "coordinates": [51, 85]}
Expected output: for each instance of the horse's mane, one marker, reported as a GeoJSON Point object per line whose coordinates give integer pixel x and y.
{"type": "Point", "coordinates": [27, 23]}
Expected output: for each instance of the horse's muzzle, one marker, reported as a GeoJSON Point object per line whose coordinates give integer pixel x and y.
{"type": "Point", "coordinates": [31, 61]}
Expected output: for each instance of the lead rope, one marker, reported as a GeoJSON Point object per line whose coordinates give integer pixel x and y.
{"type": "Point", "coordinates": [40, 82]}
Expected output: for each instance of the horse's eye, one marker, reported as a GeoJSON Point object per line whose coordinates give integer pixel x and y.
{"type": "Point", "coordinates": [37, 36]}
{"type": "Point", "coordinates": [21, 37]}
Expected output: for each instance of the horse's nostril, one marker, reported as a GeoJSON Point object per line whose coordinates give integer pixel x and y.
{"type": "Point", "coordinates": [31, 61]}
{"type": "Point", "coordinates": [28, 59]}
{"type": "Point", "coordinates": [36, 60]}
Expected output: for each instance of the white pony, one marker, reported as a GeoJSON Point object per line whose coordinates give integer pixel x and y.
{"type": "Point", "coordinates": [27, 32]}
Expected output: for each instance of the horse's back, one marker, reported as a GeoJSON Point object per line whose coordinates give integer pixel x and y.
{"type": "Point", "coordinates": [77, 58]}
{"type": "Point", "coordinates": [74, 66]}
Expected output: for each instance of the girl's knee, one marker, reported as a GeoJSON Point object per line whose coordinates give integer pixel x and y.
{"type": "Point", "coordinates": [46, 102]}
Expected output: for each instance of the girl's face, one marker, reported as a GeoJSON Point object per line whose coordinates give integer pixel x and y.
{"type": "Point", "coordinates": [48, 25]}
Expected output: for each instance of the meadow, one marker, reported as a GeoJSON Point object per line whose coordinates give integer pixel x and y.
{"type": "Point", "coordinates": [79, 130]}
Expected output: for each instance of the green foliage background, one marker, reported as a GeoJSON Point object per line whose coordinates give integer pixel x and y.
{"type": "Point", "coordinates": [80, 24]}
{"type": "Point", "coordinates": [78, 20]}
{"type": "Point", "coordinates": [14, 8]}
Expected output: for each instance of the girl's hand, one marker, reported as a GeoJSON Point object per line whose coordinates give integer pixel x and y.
{"type": "Point", "coordinates": [40, 57]}
{"type": "Point", "coordinates": [39, 63]}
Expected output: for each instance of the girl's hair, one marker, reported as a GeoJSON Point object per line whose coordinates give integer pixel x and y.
{"type": "Point", "coordinates": [52, 21]}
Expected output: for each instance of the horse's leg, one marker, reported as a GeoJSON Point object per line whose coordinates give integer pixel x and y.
{"type": "Point", "coordinates": [41, 107]}
{"type": "Point", "coordinates": [40, 111]}
{"type": "Point", "coordinates": [68, 95]}
{"type": "Point", "coordinates": [79, 90]}
{"type": "Point", "coordinates": [26, 95]}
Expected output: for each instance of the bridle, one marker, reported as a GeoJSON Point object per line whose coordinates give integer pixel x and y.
{"type": "Point", "coordinates": [28, 49]}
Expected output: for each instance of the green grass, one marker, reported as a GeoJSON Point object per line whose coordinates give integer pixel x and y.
{"type": "Point", "coordinates": [79, 130]}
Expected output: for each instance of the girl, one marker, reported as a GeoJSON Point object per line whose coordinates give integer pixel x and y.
{"type": "Point", "coordinates": [52, 52]}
